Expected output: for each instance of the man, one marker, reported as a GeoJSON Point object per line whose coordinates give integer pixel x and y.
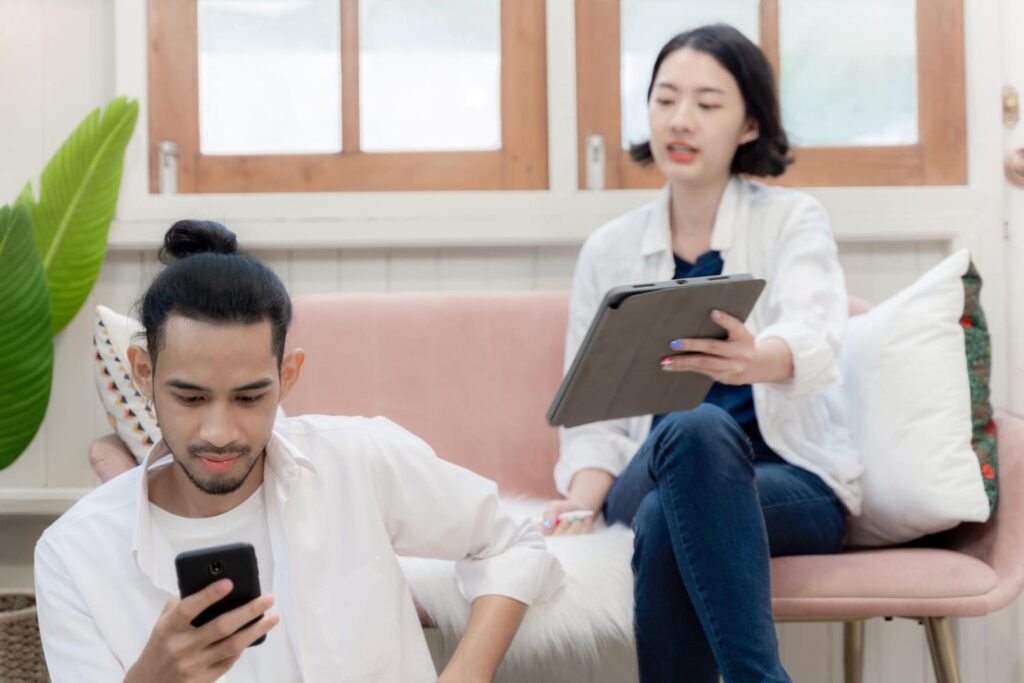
{"type": "Point", "coordinates": [327, 502]}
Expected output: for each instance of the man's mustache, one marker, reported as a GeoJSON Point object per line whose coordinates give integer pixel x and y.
{"type": "Point", "coordinates": [236, 449]}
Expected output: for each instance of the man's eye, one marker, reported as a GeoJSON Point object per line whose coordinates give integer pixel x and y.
{"type": "Point", "coordinates": [250, 400]}
{"type": "Point", "coordinates": [190, 400]}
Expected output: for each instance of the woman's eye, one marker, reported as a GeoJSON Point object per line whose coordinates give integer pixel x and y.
{"type": "Point", "coordinates": [665, 102]}
{"type": "Point", "coordinates": [710, 106]}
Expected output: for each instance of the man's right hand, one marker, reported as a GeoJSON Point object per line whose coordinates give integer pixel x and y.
{"type": "Point", "coordinates": [178, 652]}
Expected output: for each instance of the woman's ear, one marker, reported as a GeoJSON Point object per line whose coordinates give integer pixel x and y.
{"type": "Point", "coordinates": [751, 131]}
{"type": "Point", "coordinates": [142, 369]}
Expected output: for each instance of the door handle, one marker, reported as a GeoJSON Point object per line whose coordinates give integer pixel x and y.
{"type": "Point", "coordinates": [1014, 165]}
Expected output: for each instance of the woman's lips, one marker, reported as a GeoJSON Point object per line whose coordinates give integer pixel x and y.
{"type": "Point", "coordinates": [682, 155]}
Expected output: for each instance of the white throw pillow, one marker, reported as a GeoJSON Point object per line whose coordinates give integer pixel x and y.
{"type": "Point", "coordinates": [908, 398]}
{"type": "Point", "coordinates": [127, 410]}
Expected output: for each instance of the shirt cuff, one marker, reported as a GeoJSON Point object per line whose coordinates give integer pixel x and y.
{"type": "Point", "coordinates": [814, 359]}
{"type": "Point", "coordinates": [601, 451]}
{"type": "Point", "coordinates": [527, 572]}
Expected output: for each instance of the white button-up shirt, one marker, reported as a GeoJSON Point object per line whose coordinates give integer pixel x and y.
{"type": "Point", "coordinates": [343, 497]}
{"type": "Point", "coordinates": [773, 233]}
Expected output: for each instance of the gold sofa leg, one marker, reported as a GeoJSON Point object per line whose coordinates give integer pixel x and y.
{"type": "Point", "coordinates": [853, 651]}
{"type": "Point", "coordinates": [942, 648]}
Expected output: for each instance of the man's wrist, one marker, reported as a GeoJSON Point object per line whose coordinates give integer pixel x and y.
{"type": "Point", "coordinates": [456, 674]}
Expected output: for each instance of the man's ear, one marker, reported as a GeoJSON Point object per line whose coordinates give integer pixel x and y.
{"type": "Point", "coordinates": [751, 131]}
{"type": "Point", "coordinates": [142, 369]}
{"type": "Point", "coordinates": [291, 367]}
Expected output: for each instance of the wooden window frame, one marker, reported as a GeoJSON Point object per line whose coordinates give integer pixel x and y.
{"type": "Point", "coordinates": [520, 164]}
{"type": "Point", "coordinates": [938, 158]}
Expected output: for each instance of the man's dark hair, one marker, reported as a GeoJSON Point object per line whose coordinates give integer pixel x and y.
{"type": "Point", "coordinates": [206, 279]}
{"type": "Point", "coordinates": [768, 154]}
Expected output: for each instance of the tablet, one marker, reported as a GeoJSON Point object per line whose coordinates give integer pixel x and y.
{"type": "Point", "coordinates": [616, 372]}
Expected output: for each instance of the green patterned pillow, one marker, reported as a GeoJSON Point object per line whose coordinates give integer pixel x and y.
{"type": "Point", "coordinates": [979, 370]}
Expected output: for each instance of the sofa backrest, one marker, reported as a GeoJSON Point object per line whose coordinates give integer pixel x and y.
{"type": "Point", "coordinates": [471, 373]}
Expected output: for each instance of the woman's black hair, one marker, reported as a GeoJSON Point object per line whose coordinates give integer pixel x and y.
{"type": "Point", "coordinates": [768, 154]}
{"type": "Point", "coordinates": [207, 279]}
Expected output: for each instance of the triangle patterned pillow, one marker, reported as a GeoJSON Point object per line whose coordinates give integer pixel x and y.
{"type": "Point", "coordinates": [128, 411]}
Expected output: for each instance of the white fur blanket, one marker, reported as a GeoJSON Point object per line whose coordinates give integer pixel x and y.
{"type": "Point", "coordinates": [594, 605]}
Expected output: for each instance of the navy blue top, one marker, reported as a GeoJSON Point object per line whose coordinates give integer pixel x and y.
{"type": "Point", "coordinates": [737, 400]}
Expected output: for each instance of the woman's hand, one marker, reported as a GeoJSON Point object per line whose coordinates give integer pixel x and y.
{"type": "Point", "coordinates": [738, 359]}
{"type": "Point", "coordinates": [551, 525]}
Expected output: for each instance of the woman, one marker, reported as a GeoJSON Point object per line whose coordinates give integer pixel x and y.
{"type": "Point", "coordinates": [762, 468]}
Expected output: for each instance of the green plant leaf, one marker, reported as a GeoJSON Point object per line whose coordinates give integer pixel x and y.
{"type": "Point", "coordinates": [26, 338]}
{"type": "Point", "coordinates": [77, 197]}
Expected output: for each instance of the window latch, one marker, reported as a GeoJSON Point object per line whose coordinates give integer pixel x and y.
{"type": "Point", "coordinates": [594, 149]}
{"type": "Point", "coordinates": [167, 165]}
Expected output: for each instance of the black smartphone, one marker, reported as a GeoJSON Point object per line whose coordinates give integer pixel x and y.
{"type": "Point", "coordinates": [197, 569]}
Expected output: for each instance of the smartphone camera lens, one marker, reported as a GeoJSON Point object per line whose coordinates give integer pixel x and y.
{"type": "Point", "coordinates": [216, 568]}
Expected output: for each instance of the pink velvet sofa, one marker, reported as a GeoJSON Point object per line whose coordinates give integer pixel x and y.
{"type": "Point", "coordinates": [473, 374]}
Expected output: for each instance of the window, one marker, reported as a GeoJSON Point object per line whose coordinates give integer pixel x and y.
{"type": "Point", "coordinates": [872, 92]}
{"type": "Point", "coordinates": [349, 95]}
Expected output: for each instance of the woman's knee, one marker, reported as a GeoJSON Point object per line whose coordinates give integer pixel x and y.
{"type": "Point", "coordinates": [704, 437]}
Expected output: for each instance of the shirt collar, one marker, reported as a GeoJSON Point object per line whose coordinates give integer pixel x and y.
{"type": "Point", "coordinates": [282, 466]}
{"type": "Point", "coordinates": [731, 210]}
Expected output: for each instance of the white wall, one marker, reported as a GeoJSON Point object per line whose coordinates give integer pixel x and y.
{"type": "Point", "coordinates": [57, 61]}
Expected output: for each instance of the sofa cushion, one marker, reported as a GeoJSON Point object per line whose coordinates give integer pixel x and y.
{"type": "Point", "coordinates": [471, 373]}
{"type": "Point", "coordinates": [915, 392]}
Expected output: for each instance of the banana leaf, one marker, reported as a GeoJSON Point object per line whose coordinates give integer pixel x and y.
{"type": "Point", "coordinates": [26, 339]}
{"type": "Point", "coordinates": [77, 197]}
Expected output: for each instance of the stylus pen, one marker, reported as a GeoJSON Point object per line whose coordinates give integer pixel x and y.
{"type": "Point", "coordinates": [568, 517]}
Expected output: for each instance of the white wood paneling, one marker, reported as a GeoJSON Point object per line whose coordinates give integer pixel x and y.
{"type": "Point", "coordinates": [363, 271]}
{"type": "Point", "coordinates": [313, 271]}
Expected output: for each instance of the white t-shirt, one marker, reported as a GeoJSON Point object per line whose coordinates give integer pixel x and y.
{"type": "Point", "coordinates": [272, 661]}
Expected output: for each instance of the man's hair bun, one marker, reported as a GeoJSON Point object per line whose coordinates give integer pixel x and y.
{"type": "Point", "coordinates": [189, 237]}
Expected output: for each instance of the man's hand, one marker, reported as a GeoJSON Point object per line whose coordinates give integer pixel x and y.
{"type": "Point", "coordinates": [738, 359]}
{"type": "Point", "coordinates": [178, 652]}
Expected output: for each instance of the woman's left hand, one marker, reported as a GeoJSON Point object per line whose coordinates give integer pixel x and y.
{"type": "Point", "coordinates": [729, 361]}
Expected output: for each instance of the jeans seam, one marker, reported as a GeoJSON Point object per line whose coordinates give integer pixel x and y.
{"type": "Point", "coordinates": [723, 666]}
{"type": "Point", "coordinates": [802, 501]}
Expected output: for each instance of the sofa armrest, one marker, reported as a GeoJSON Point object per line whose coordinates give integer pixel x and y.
{"type": "Point", "coordinates": [109, 457]}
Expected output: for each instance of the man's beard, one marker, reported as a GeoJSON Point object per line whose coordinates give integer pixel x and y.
{"type": "Point", "coordinates": [219, 486]}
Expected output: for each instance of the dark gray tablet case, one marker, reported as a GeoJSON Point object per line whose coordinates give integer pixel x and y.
{"type": "Point", "coordinates": [616, 372]}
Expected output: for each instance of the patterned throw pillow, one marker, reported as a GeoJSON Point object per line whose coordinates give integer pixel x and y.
{"type": "Point", "coordinates": [128, 411]}
{"type": "Point", "coordinates": [979, 370]}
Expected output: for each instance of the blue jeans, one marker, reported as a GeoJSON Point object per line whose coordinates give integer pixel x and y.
{"type": "Point", "coordinates": [708, 513]}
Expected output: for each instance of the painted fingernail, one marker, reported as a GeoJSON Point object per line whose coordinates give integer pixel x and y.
{"type": "Point", "coordinates": [666, 363]}
{"type": "Point", "coordinates": [557, 521]}
{"type": "Point", "coordinates": [548, 523]}
{"type": "Point", "coordinates": [676, 344]}
{"type": "Point", "coordinates": [716, 313]}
